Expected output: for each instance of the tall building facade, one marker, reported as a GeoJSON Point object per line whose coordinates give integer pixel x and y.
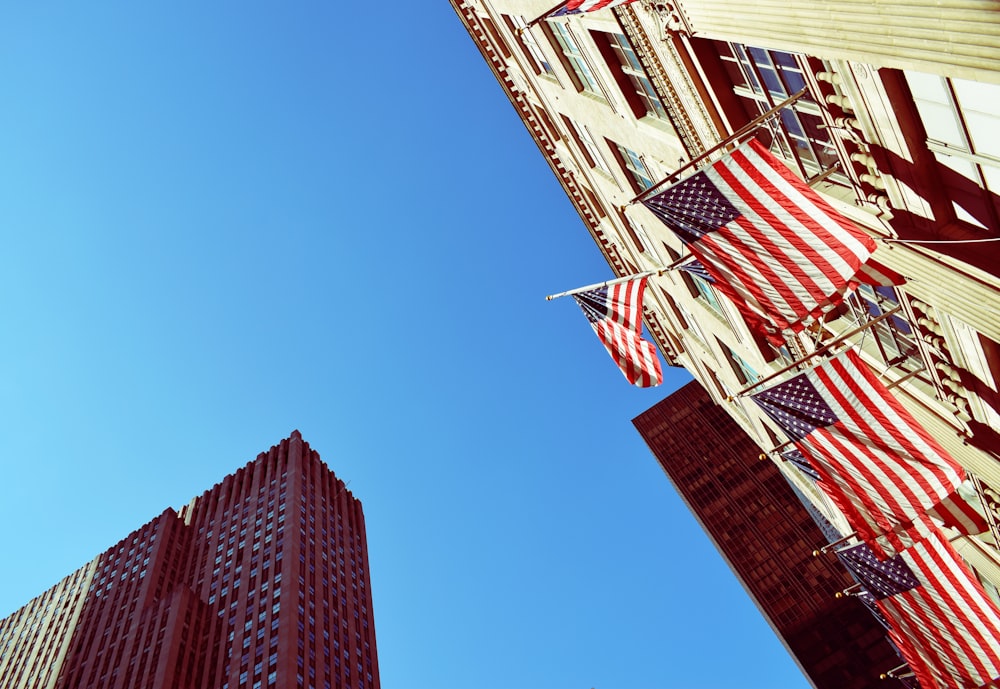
{"type": "Point", "coordinates": [261, 581]}
{"type": "Point", "coordinates": [890, 115]}
{"type": "Point", "coordinates": [757, 522]}
{"type": "Point", "coordinates": [906, 145]}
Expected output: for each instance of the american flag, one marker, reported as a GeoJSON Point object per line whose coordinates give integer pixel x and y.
{"type": "Point", "coordinates": [800, 463]}
{"type": "Point", "coordinates": [615, 314]}
{"type": "Point", "coordinates": [578, 6]}
{"type": "Point", "coordinates": [962, 510]}
{"type": "Point", "coordinates": [944, 623]}
{"type": "Point", "coordinates": [696, 268]}
{"type": "Point", "coordinates": [876, 463]}
{"type": "Point", "coordinates": [773, 245]}
{"type": "Point", "coordinates": [868, 600]}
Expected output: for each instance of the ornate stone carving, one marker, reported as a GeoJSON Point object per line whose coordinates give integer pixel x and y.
{"type": "Point", "coordinates": [691, 119]}
{"type": "Point", "coordinates": [670, 16]}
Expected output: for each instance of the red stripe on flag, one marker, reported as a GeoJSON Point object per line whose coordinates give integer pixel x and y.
{"type": "Point", "coordinates": [878, 466]}
{"type": "Point", "coordinates": [616, 317]}
{"type": "Point", "coordinates": [851, 486]}
{"type": "Point", "coordinates": [948, 620]}
{"type": "Point", "coordinates": [774, 246]}
{"type": "Point", "coordinates": [803, 254]}
{"type": "Point", "coordinates": [845, 496]}
{"type": "Point", "coordinates": [747, 273]}
{"type": "Point", "coordinates": [867, 412]}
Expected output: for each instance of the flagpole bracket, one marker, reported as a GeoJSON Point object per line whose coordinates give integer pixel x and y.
{"type": "Point", "coordinates": [745, 130]}
{"type": "Point", "coordinates": [844, 337]}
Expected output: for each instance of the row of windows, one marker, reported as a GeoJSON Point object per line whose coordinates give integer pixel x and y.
{"type": "Point", "coordinates": [962, 130]}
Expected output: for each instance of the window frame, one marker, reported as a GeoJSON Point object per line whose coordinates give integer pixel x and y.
{"type": "Point", "coordinates": [634, 81]}
{"type": "Point", "coordinates": [962, 150]}
{"type": "Point", "coordinates": [529, 46]}
{"type": "Point", "coordinates": [630, 162]}
{"type": "Point", "coordinates": [798, 134]}
{"type": "Point", "coordinates": [574, 59]}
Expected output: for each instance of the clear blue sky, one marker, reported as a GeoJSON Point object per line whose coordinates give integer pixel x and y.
{"type": "Point", "coordinates": [223, 224]}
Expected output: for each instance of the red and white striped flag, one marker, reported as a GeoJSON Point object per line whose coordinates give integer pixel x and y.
{"type": "Point", "coordinates": [773, 245]}
{"type": "Point", "coordinates": [577, 6]}
{"type": "Point", "coordinates": [615, 314]}
{"type": "Point", "coordinates": [876, 463]}
{"type": "Point", "coordinates": [944, 623]}
{"type": "Point", "coordinates": [962, 510]}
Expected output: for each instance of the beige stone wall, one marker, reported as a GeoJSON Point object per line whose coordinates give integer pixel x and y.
{"type": "Point", "coordinates": [949, 37]}
{"type": "Point", "coordinates": [847, 33]}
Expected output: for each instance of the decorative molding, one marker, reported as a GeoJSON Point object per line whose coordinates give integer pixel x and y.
{"type": "Point", "coordinates": [690, 119]}
{"type": "Point", "coordinates": [938, 360]}
{"type": "Point", "coordinates": [670, 15]}
{"type": "Point", "coordinates": [526, 110]}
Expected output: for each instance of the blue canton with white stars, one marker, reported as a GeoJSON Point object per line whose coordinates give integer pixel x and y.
{"type": "Point", "coordinates": [693, 208]}
{"type": "Point", "coordinates": [803, 464]}
{"type": "Point", "coordinates": [881, 578]}
{"type": "Point", "coordinates": [594, 303]}
{"type": "Point", "coordinates": [698, 268]}
{"type": "Point", "coordinates": [869, 602]}
{"type": "Point", "coordinates": [797, 406]}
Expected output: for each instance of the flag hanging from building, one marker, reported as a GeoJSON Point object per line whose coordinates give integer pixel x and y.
{"type": "Point", "coordinates": [579, 6]}
{"type": "Point", "coordinates": [800, 463]}
{"type": "Point", "coordinates": [875, 462]}
{"type": "Point", "coordinates": [696, 268]}
{"type": "Point", "coordinates": [962, 510]}
{"type": "Point", "coordinates": [615, 314]}
{"type": "Point", "coordinates": [942, 620]}
{"type": "Point", "coordinates": [868, 600]}
{"type": "Point", "coordinates": [774, 246]}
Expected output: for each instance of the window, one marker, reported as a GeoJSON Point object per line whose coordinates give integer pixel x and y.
{"type": "Point", "coordinates": [690, 323]}
{"type": "Point", "coordinates": [763, 78]}
{"type": "Point", "coordinates": [574, 58]}
{"type": "Point", "coordinates": [587, 145]}
{"type": "Point", "coordinates": [703, 290]}
{"type": "Point", "coordinates": [531, 49]}
{"type": "Point", "coordinates": [631, 75]}
{"type": "Point", "coordinates": [706, 292]}
{"type": "Point", "coordinates": [963, 131]}
{"type": "Point", "coordinates": [634, 167]}
{"type": "Point", "coordinates": [980, 357]}
{"type": "Point", "coordinates": [893, 337]}
{"type": "Point", "coordinates": [744, 371]}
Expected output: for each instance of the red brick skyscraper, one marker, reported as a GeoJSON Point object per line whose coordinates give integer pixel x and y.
{"type": "Point", "coordinates": [261, 582]}
{"type": "Point", "coordinates": [766, 535]}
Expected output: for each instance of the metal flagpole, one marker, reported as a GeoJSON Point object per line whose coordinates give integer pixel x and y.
{"type": "Point", "coordinates": [647, 274]}
{"type": "Point", "coordinates": [741, 132]}
{"type": "Point", "coordinates": [660, 271]}
{"type": "Point", "coordinates": [897, 672]}
{"type": "Point", "coordinates": [541, 17]}
{"type": "Point", "coordinates": [822, 350]}
{"type": "Point", "coordinates": [849, 591]}
{"type": "Point", "coordinates": [777, 449]}
{"type": "Point", "coordinates": [830, 546]}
